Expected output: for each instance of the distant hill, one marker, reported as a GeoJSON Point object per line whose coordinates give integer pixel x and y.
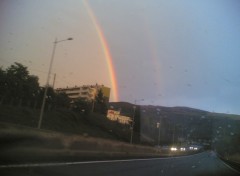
{"type": "Point", "coordinates": [180, 125]}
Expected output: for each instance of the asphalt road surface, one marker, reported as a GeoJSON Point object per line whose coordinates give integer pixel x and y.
{"type": "Point", "coordinates": [202, 164]}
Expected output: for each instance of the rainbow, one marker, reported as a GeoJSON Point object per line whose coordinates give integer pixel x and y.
{"type": "Point", "coordinates": [106, 51]}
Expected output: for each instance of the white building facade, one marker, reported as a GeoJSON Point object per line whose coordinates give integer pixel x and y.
{"type": "Point", "coordinates": [87, 92]}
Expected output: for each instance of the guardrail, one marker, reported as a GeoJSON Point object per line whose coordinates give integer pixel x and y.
{"type": "Point", "coordinates": [232, 164]}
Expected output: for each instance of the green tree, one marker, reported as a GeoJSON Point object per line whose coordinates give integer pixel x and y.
{"type": "Point", "coordinates": [3, 85]}
{"type": "Point", "coordinates": [17, 85]}
{"type": "Point", "coordinates": [81, 105]}
{"type": "Point", "coordinates": [100, 104]}
{"type": "Point", "coordinates": [50, 98]}
{"type": "Point", "coordinates": [62, 100]}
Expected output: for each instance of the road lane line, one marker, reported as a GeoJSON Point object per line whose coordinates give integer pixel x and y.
{"type": "Point", "coordinates": [88, 162]}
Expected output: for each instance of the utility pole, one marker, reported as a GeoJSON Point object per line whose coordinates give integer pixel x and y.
{"type": "Point", "coordinates": [48, 78]}
{"type": "Point", "coordinates": [173, 134]}
{"type": "Point", "coordinates": [54, 78]}
{"type": "Point", "coordinates": [133, 122]}
{"type": "Point", "coordinates": [158, 126]}
{"type": "Point", "coordinates": [133, 119]}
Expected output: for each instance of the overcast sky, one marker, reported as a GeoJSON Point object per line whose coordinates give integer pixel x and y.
{"type": "Point", "coordinates": [167, 52]}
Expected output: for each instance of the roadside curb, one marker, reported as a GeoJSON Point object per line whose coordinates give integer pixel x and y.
{"type": "Point", "coordinates": [234, 165]}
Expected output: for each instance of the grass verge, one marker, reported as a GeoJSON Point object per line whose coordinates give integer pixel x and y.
{"type": "Point", "coordinates": [29, 145]}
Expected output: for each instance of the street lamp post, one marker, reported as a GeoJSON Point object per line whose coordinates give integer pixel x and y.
{"type": "Point", "coordinates": [158, 126]}
{"type": "Point", "coordinates": [48, 78]}
{"type": "Point", "coordinates": [133, 120]}
{"type": "Point", "coordinates": [134, 109]}
{"type": "Point", "coordinates": [173, 139]}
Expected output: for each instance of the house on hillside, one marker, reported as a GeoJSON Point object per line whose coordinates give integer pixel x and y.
{"type": "Point", "coordinates": [116, 116]}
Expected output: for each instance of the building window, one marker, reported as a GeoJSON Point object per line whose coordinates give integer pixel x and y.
{"type": "Point", "coordinates": [84, 93]}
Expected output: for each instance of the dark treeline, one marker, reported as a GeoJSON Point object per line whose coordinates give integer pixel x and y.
{"type": "Point", "coordinates": [19, 88]}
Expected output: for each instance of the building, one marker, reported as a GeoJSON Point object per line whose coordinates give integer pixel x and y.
{"type": "Point", "coordinates": [115, 116]}
{"type": "Point", "coordinates": [87, 92]}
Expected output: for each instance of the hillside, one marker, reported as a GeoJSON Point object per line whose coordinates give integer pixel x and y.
{"type": "Point", "coordinates": [66, 135]}
{"type": "Point", "coordinates": [184, 125]}
{"type": "Point", "coordinates": [178, 125]}
{"type": "Point", "coordinates": [64, 121]}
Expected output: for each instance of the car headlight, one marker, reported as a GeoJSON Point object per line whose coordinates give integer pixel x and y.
{"type": "Point", "coordinates": [173, 149]}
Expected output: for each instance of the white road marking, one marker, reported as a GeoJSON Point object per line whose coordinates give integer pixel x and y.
{"type": "Point", "coordinates": [88, 162]}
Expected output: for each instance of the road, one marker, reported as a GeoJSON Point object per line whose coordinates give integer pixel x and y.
{"type": "Point", "coordinates": [205, 163]}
